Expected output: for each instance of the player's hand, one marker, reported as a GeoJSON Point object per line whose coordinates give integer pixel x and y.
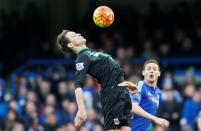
{"type": "Point", "coordinates": [80, 117]}
{"type": "Point", "coordinates": [162, 122]}
{"type": "Point", "coordinates": [131, 86]}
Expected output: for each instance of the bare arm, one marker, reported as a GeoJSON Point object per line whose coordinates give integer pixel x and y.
{"type": "Point", "coordinates": [131, 86]}
{"type": "Point", "coordinates": [82, 64]}
{"type": "Point", "coordinates": [141, 112]}
{"type": "Point", "coordinates": [79, 98]}
{"type": "Point", "coordinates": [81, 113]}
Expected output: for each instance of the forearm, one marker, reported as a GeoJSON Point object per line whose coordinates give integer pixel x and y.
{"type": "Point", "coordinates": [79, 98]}
{"type": "Point", "coordinates": [129, 85]}
{"type": "Point", "coordinates": [141, 112]}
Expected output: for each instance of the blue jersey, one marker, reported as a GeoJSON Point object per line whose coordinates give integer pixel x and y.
{"type": "Point", "coordinates": [148, 99]}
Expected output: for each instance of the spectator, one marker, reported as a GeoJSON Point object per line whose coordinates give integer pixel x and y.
{"type": "Point", "coordinates": [44, 90]}
{"type": "Point", "coordinates": [22, 95]}
{"type": "Point", "coordinates": [148, 52]}
{"type": "Point", "coordinates": [190, 111]}
{"type": "Point", "coordinates": [51, 101]}
{"type": "Point", "coordinates": [170, 109]}
{"type": "Point", "coordinates": [164, 50]}
{"type": "Point", "coordinates": [65, 92]}
{"type": "Point", "coordinates": [189, 90]}
{"type": "Point", "coordinates": [11, 122]}
{"type": "Point", "coordinates": [169, 84]}
{"type": "Point", "coordinates": [82, 128]}
{"type": "Point", "coordinates": [30, 113]}
{"type": "Point", "coordinates": [68, 111]}
{"type": "Point", "coordinates": [98, 127]}
{"type": "Point", "coordinates": [51, 122]}
{"type": "Point", "coordinates": [32, 97]}
{"type": "Point", "coordinates": [35, 125]}
{"type": "Point", "coordinates": [13, 105]}
{"type": "Point", "coordinates": [89, 92]}
{"type": "Point", "coordinates": [92, 119]}
{"type": "Point", "coordinates": [121, 54]}
{"type": "Point", "coordinates": [55, 75]}
{"type": "Point", "coordinates": [127, 68]}
{"type": "Point", "coordinates": [70, 127]}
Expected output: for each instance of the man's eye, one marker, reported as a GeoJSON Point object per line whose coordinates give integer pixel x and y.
{"type": "Point", "coordinates": [73, 35]}
{"type": "Point", "coordinates": [155, 68]}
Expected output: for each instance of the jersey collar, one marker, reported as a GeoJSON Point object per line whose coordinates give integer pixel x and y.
{"type": "Point", "coordinates": [82, 50]}
{"type": "Point", "coordinates": [156, 90]}
{"type": "Point", "coordinates": [150, 86]}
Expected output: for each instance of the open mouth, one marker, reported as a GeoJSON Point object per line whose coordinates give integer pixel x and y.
{"type": "Point", "coordinates": [151, 76]}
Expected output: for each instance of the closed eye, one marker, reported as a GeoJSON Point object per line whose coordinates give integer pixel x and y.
{"type": "Point", "coordinates": [73, 35]}
{"type": "Point", "coordinates": [148, 68]}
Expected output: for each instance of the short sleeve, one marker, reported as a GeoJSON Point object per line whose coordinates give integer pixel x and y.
{"type": "Point", "coordinates": [136, 97]}
{"type": "Point", "coordinates": [81, 66]}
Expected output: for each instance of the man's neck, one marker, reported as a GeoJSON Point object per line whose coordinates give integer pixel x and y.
{"type": "Point", "coordinates": [153, 84]}
{"type": "Point", "coordinates": [79, 49]}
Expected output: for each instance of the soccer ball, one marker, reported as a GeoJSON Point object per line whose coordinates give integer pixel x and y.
{"type": "Point", "coordinates": [103, 16]}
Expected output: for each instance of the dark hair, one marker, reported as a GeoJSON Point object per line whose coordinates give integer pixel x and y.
{"type": "Point", "coordinates": [62, 41]}
{"type": "Point", "coordinates": [151, 61]}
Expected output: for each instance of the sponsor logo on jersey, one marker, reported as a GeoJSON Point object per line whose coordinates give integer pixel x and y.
{"type": "Point", "coordinates": [154, 99]}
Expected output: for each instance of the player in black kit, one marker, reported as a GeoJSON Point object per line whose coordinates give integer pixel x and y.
{"type": "Point", "coordinates": [115, 100]}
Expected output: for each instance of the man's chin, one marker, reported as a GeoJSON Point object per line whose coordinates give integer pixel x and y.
{"type": "Point", "coordinates": [151, 80]}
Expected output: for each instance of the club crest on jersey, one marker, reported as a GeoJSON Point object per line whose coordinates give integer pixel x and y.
{"type": "Point", "coordinates": [116, 121]}
{"type": "Point", "coordinates": [80, 66]}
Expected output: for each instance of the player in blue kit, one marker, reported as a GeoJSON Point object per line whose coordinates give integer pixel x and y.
{"type": "Point", "coordinates": [146, 101]}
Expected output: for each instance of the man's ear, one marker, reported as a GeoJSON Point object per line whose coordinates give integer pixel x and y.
{"type": "Point", "coordinates": [70, 45]}
{"type": "Point", "coordinates": [159, 73]}
{"type": "Point", "coordinates": [143, 73]}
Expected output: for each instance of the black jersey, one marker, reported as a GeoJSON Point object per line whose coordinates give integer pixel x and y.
{"type": "Point", "coordinates": [99, 65]}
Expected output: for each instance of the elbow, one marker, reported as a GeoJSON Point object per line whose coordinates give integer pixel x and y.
{"type": "Point", "coordinates": [134, 107]}
{"type": "Point", "coordinates": [78, 84]}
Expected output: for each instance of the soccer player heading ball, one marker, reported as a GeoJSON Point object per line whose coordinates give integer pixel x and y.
{"type": "Point", "coordinates": [115, 99]}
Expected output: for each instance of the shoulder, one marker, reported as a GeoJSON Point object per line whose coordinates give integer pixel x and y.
{"type": "Point", "coordinates": [140, 85]}
{"type": "Point", "coordinates": [158, 91]}
{"type": "Point", "coordinates": [82, 56]}
{"type": "Point", "coordinates": [190, 100]}
{"type": "Point", "coordinates": [82, 61]}
{"type": "Point", "coordinates": [199, 115]}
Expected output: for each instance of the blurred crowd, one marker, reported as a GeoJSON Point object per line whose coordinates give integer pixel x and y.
{"type": "Point", "coordinates": [155, 33]}
{"type": "Point", "coordinates": [47, 102]}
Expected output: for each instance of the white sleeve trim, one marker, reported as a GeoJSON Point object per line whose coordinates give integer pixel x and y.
{"type": "Point", "coordinates": [140, 85]}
